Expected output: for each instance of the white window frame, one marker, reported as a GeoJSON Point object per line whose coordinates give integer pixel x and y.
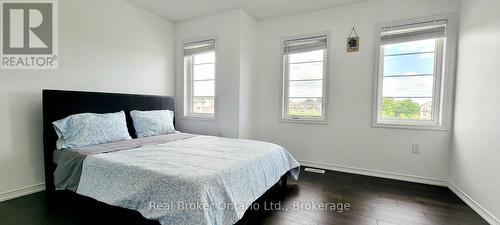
{"type": "Point", "coordinates": [284, 84]}
{"type": "Point", "coordinates": [188, 84]}
{"type": "Point", "coordinates": [443, 84]}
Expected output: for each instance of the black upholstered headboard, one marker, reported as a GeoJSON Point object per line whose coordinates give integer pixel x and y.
{"type": "Point", "coordinates": [58, 104]}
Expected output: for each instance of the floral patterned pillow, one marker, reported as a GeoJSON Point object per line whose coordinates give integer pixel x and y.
{"type": "Point", "coordinates": [91, 129]}
{"type": "Point", "coordinates": [152, 123]}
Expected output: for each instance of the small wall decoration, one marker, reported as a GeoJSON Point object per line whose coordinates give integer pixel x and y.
{"type": "Point", "coordinates": [353, 41]}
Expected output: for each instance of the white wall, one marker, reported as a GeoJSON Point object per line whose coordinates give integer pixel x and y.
{"type": "Point", "coordinates": [110, 46]}
{"type": "Point", "coordinates": [248, 72]}
{"type": "Point", "coordinates": [475, 155]}
{"type": "Point", "coordinates": [233, 58]}
{"type": "Point", "coordinates": [348, 140]}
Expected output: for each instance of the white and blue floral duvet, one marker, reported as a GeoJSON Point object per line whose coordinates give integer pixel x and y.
{"type": "Point", "coordinates": [198, 180]}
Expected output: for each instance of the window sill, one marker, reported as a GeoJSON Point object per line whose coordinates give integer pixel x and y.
{"type": "Point", "coordinates": [199, 118]}
{"type": "Point", "coordinates": [304, 121]}
{"type": "Point", "coordinates": [410, 127]}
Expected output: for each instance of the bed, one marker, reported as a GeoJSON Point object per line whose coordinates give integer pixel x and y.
{"type": "Point", "coordinates": [177, 178]}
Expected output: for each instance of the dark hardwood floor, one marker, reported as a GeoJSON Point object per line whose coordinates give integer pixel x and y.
{"type": "Point", "coordinates": [371, 201]}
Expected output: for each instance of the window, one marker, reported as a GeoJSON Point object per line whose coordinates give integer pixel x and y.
{"type": "Point", "coordinates": [305, 67]}
{"type": "Point", "coordinates": [200, 79]}
{"type": "Point", "coordinates": [411, 74]}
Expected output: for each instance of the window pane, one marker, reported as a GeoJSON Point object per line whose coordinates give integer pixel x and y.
{"type": "Point", "coordinates": [208, 57]}
{"type": "Point", "coordinates": [203, 105]}
{"type": "Point", "coordinates": [407, 108]}
{"type": "Point", "coordinates": [204, 72]}
{"type": "Point", "coordinates": [204, 88]}
{"type": "Point", "coordinates": [304, 71]}
{"type": "Point", "coordinates": [413, 86]}
{"type": "Point", "coordinates": [306, 89]}
{"type": "Point", "coordinates": [316, 55]}
{"type": "Point", "coordinates": [411, 47]}
{"type": "Point", "coordinates": [409, 64]}
{"type": "Point", "coordinates": [309, 107]}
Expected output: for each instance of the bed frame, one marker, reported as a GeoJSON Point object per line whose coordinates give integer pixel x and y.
{"type": "Point", "coordinates": [58, 104]}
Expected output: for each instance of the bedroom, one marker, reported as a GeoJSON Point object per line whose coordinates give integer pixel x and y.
{"type": "Point", "coordinates": [389, 173]}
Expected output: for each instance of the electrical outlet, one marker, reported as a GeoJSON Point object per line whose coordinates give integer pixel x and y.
{"type": "Point", "coordinates": [416, 148]}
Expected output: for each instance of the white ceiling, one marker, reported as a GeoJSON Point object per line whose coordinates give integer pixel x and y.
{"type": "Point", "coordinates": [179, 10]}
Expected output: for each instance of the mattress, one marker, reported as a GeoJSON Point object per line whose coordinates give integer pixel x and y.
{"type": "Point", "coordinates": [195, 179]}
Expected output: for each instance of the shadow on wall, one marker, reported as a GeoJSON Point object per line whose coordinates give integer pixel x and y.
{"type": "Point", "coordinates": [26, 149]}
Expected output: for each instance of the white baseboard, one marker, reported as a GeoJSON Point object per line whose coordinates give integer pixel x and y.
{"type": "Point", "coordinates": [478, 208]}
{"type": "Point", "coordinates": [8, 195]}
{"type": "Point", "coordinates": [376, 173]}
{"type": "Point", "coordinates": [490, 218]}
